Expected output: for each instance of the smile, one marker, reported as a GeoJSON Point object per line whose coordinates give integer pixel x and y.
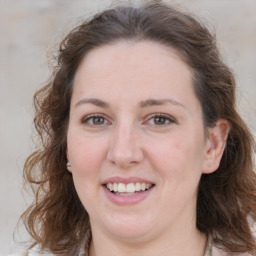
{"type": "Point", "coordinates": [127, 189]}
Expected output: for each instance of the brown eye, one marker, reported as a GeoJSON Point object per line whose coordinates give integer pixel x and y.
{"type": "Point", "coordinates": [95, 121]}
{"type": "Point", "coordinates": [98, 120]}
{"type": "Point", "coordinates": [160, 120]}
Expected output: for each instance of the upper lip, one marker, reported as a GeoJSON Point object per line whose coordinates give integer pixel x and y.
{"type": "Point", "coordinates": [117, 179]}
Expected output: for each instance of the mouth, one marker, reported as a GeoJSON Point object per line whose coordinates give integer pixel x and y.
{"type": "Point", "coordinates": [130, 189]}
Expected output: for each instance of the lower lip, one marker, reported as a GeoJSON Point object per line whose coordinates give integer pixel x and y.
{"type": "Point", "coordinates": [127, 200]}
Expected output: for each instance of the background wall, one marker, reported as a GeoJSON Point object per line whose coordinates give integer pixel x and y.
{"type": "Point", "coordinates": [29, 27]}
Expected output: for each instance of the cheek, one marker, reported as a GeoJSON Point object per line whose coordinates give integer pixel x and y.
{"type": "Point", "coordinates": [86, 155]}
{"type": "Point", "coordinates": [178, 156]}
{"type": "Point", "coordinates": [178, 163]}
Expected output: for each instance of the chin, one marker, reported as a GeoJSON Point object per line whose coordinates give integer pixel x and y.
{"type": "Point", "coordinates": [129, 228]}
{"type": "Point", "coordinates": [133, 234]}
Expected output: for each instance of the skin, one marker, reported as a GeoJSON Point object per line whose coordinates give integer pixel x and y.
{"type": "Point", "coordinates": [129, 140]}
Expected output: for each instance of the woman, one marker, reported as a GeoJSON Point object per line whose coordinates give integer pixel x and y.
{"type": "Point", "coordinates": [142, 150]}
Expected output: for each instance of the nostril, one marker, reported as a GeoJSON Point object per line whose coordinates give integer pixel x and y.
{"type": "Point", "coordinates": [125, 152]}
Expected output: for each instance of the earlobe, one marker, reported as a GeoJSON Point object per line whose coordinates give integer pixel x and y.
{"type": "Point", "coordinates": [68, 164]}
{"type": "Point", "coordinates": [216, 143]}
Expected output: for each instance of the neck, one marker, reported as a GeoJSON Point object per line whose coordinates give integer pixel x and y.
{"type": "Point", "coordinates": [191, 242]}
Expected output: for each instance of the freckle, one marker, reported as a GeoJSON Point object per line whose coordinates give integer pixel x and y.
{"type": "Point", "coordinates": [177, 145]}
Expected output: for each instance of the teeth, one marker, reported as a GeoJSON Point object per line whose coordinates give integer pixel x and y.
{"type": "Point", "coordinates": [121, 188]}
{"type": "Point", "coordinates": [137, 187]}
{"type": "Point", "coordinates": [129, 188]}
{"type": "Point", "coordinates": [110, 186]}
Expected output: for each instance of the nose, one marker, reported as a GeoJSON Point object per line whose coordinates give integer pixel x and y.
{"type": "Point", "coordinates": [125, 150]}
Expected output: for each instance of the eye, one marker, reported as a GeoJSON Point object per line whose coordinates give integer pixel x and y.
{"type": "Point", "coordinates": [160, 120]}
{"type": "Point", "coordinates": [95, 120]}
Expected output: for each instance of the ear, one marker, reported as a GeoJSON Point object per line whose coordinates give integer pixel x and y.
{"type": "Point", "coordinates": [68, 159]}
{"type": "Point", "coordinates": [215, 145]}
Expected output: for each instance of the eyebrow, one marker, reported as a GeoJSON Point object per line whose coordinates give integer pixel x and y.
{"type": "Point", "coordinates": [156, 102]}
{"type": "Point", "coordinates": [96, 102]}
{"type": "Point", "coordinates": [143, 104]}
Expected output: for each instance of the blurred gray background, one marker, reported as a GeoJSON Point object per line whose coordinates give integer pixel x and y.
{"type": "Point", "coordinates": [28, 28]}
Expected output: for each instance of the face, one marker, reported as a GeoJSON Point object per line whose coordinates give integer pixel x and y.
{"type": "Point", "coordinates": [136, 140]}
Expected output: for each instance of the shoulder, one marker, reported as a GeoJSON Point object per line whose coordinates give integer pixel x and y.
{"type": "Point", "coordinates": [218, 252]}
{"type": "Point", "coordinates": [18, 254]}
{"type": "Point", "coordinates": [23, 254]}
{"type": "Point", "coordinates": [29, 254]}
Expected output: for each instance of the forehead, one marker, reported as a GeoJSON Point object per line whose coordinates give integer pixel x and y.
{"type": "Point", "coordinates": [134, 69]}
{"type": "Point", "coordinates": [149, 53]}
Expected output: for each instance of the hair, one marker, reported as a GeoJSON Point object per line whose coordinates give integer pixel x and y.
{"type": "Point", "coordinates": [226, 205]}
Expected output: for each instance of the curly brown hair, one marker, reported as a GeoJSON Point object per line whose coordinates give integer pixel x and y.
{"type": "Point", "coordinates": [226, 207]}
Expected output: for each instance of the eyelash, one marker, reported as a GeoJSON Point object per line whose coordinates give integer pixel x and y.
{"type": "Point", "coordinates": [165, 118]}
{"type": "Point", "coordinates": [161, 115]}
{"type": "Point", "coordinates": [93, 117]}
